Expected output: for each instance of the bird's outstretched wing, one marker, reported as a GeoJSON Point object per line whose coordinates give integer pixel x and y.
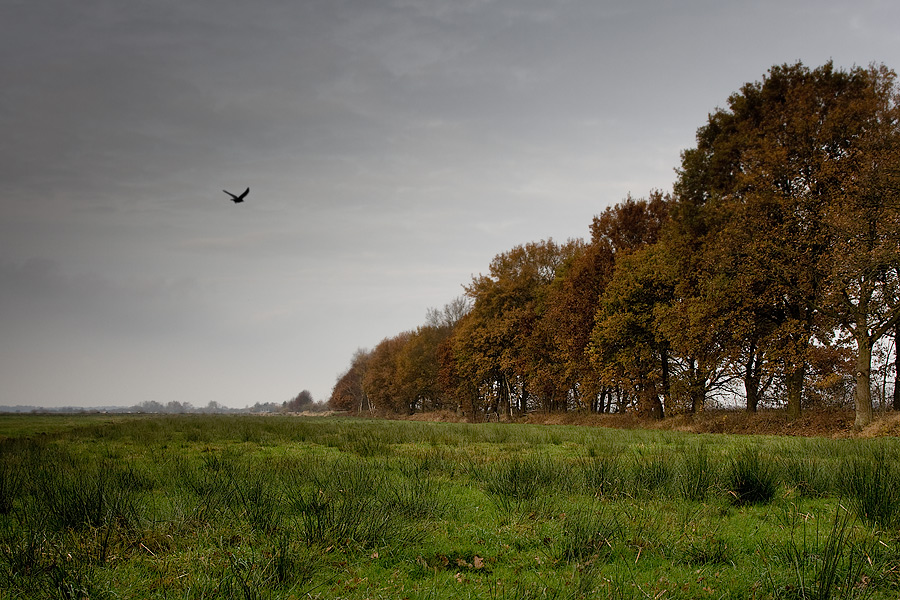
{"type": "Point", "coordinates": [237, 199]}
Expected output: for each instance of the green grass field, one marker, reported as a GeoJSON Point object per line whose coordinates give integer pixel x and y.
{"type": "Point", "coordinates": [194, 507]}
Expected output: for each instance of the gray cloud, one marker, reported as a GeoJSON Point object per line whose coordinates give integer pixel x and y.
{"type": "Point", "coordinates": [392, 147]}
{"type": "Point", "coordinates": [39, 295]}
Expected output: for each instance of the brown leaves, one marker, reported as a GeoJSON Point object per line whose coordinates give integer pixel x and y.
{"type": "Point", "coordinates": [441, 561]}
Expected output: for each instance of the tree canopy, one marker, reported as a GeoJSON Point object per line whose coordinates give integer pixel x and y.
{"type": "Point", "coordinates": [769, 274]}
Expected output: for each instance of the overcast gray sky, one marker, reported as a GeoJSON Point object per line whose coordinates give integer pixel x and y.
{"type": "Point", "coordinates": [392, 149]}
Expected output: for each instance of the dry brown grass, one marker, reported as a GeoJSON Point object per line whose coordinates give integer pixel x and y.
{"type": "Point", "coordinates": [888, 425]}
{"type": "Point", "coordinates": [821, 422]}
{"type": "Point", "coordinates": [824, 422]}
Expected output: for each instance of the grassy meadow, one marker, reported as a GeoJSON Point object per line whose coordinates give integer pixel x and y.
{"type": "Point", "coordinates": [195, 506]}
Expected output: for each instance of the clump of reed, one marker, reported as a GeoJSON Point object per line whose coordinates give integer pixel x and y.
{"type": "Point", "coordinates": [751, 478]}
{"type": "Point", "coordinates": [871, 484]}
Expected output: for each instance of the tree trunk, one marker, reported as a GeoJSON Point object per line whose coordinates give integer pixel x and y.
{"type": "Point", "coordinates": [752, 397]}
{"type": "Point", "coordinates": [666, 391]}
{"type": "Point", "coordinates": [794, 384]}
{"type": "Point", "coordinates": [504, 402]}
{"type": "Point", "coordinates": [654, 405]}
{"type": "Point", "coordinates": [656, 408]}
{"type": "Point", "coordinates": [751, 380]}
{"type": "Point", "coordinates": [897, 367]}
{"type": "Point", "coordinates": [698, 396]}
{"type": "Point", "coordinates": [697, 389]}
{"type": "Point", "coordinates": [863, 395]}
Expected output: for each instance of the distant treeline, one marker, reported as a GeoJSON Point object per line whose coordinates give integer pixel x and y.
{"type": "Point", "coordinates": [302, 402]}
{"type": "Point", "coordinates": [768, 276]}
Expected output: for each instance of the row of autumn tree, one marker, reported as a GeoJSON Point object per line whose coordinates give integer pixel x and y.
{"type": "Point", "coordinates": [771, 271]}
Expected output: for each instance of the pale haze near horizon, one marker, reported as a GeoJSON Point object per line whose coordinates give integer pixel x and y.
{"type": "Point", "coordinates": [392, 149]}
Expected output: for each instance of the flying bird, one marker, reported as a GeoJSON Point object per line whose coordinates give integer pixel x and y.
{"type": "Point", "coordinates": [237, 199]}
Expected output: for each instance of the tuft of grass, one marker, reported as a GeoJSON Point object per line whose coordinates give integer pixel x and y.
{"type": "Point", "coordinates": [72, 580]}
{"type": "Point", "coordinates": [707, 549]}
{"type": "Point", "coordinates": [520, 479]}
{"type": "Point", "coordinates": [368, 445]}
{"type": "Point", "coordinates": [697, 475]}
{"type": "Point", "coordinates": [652, 476]}
{"type": "Point", "coordinates": [290, 564]}
{"type": "Point", "coordinates": [751, 479]}
{"type": "Point", "coordinates": [836, 565]}
{"type": "Point", "coordinates": [603, 475]}
{"type": "Point", "coordinates": [22, 552]}
{"type": "Point", "coordinates": [417, 497]}
{"type": "Point", "coordinates": [588, 534]}
{"type": "Point", "coordinates": [257, 497]}
{"type": "Point", "coordinates": [808, 476]}
{"type": "Point", "coordinates": [353, 522]}
{"type": "Point", "coordinates": [84, 497]}
{"type": "Point", "coordinates": [871, 484]}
